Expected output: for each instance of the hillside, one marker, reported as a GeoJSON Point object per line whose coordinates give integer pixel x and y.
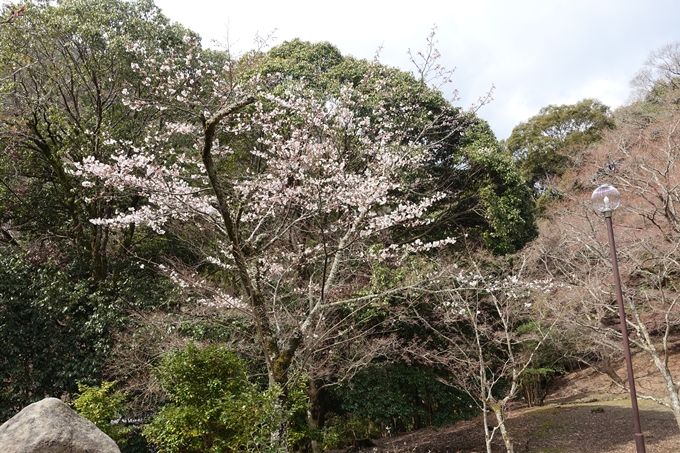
{"type": "Point", "coordinates": [584, 413]}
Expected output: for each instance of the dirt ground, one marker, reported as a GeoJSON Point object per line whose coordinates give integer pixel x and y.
{"type": "Point", "coordinates": [583, 413]}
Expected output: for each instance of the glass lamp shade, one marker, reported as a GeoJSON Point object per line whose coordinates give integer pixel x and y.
{"type": "Point", "coordinates": [606, 198]}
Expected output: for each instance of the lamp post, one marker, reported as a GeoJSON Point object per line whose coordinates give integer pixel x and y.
{"type": "Point", "coordinates": [606, 199]}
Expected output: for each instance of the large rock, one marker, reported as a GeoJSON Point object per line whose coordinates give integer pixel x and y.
{"type": "Point", "coordinates": [50, 426]}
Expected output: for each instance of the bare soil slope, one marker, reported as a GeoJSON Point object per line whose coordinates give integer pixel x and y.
{"type": "Point", "coordinates": [584, 413]}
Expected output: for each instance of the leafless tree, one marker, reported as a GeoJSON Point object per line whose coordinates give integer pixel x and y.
{"type": "Point", "coordinates": [485, 331]}
{"type": "Point", "coordinates": [642, 162]}
{"type": "Point", "coordinates": [661, 70]}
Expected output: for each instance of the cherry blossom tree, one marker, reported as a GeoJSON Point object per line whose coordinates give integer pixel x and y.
{"type": "Point", "coordinates": [298, 191]}
{"type": "Point", "coordinates": [11, 13]}
{"type": "Point", "coordinates": [485, 195]}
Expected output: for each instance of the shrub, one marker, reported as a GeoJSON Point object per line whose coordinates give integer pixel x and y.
{"type": "Point", "coordinates": [212, 406]}
{"type": "Point", "coordinates": [102, 406]}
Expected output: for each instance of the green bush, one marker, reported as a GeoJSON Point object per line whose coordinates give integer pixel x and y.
{"type": "Point", "coordinates": [212, 406]}
{"type": "Point", "coordinates": [300, 433]}
{"type": "Point", "coordinates": [101, 405]}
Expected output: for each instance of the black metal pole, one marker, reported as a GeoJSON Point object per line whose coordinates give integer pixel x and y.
{"type": "Point", "coordinates": [639, 438]}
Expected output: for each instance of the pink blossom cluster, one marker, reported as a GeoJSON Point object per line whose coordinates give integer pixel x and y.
{"type": "Point", "coordinates": [325, 177]}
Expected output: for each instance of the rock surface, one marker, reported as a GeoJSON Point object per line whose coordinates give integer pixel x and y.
{"type": "Point", "coordinates": [50, 426]}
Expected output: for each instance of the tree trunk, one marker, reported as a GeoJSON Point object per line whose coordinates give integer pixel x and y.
{"type": "Point", "coordinates": [606, 367]}
{"type": "Point", "coordinates": [99, 260]}
{"type": "Point", "coordinates": [488, 436]}
{"type": "Point", "coordinates": [670, 385]}
{"type": "Point", "coordinates": [499, 411]}
{"type": "Point", "coordinates": [279, 437]}
{"type": "Point", "coordinates": [314, 413]}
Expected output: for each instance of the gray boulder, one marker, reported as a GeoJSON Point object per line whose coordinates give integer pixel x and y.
{"type": "Point", "coordinates": [50, 426]}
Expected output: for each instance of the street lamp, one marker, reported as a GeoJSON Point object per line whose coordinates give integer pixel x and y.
{"type": "Point", "coordinates": [606, 199]}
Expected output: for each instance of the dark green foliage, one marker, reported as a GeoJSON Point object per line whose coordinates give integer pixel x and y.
{"type": "Point", "coordinates": [66, 283]}
{"type": "Point", "coordinates": [547, 144]}
{"type": "Point", "coordinates": [535, 382]}
{"type": "Point", "coordinates": [486, 196]}
{"type": "Point", "coordinates": [214, 332]}
{"type": "Point", "coordinates": [554, 358]}
{"type": "Point", "coordinates": [404, 397]}
{"type": "Point", "coordinates": [349, 430]}
{"type": "Point", "coordinates": [324, 71]}
{"type": "Point", "coordinates": [53, 332]}
{"type": "Point", "coordinates": [300, 60]}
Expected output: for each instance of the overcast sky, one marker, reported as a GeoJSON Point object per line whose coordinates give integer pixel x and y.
{"type": "Point", "coordinates": [535, 52]}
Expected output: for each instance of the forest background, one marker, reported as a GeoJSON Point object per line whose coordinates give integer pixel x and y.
{"type": "Point", "coordinates": [294, 249]}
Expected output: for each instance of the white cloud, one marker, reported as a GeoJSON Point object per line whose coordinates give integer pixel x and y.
{"type": "Point", "coordinates": [536, 52]}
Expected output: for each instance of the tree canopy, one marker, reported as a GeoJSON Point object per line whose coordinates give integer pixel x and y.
{"type": "Point", "coordinates": [485, 195]}
{"type": "Point", "coordinates": [550, 142]}
{"type": "Point", "coordinates": [65, 68]}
